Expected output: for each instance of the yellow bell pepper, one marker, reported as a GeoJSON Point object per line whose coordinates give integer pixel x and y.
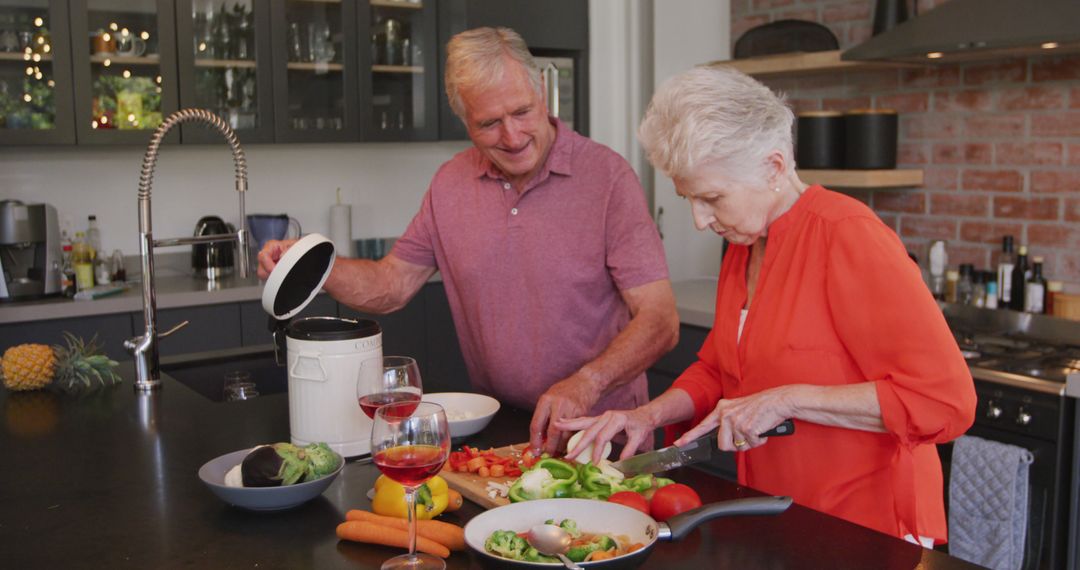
{"type": "Point", "coordinates": [389, 500]}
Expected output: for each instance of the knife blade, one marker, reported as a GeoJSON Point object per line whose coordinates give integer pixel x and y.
{"type": "Point", "coordinates": [701, 449]}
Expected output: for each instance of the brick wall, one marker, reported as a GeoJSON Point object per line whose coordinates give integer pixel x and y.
{"type": "Point", "coordinates": [999, 141]}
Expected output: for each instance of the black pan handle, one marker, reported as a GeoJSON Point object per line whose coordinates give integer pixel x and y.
{"type": "Point", "coordinates": [786, 427]}
{"type": "Point", "coordinates": [681, 525]}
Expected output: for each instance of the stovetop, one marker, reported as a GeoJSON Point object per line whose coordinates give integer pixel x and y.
{"type": "Point", "coordinates": [1019, 355]}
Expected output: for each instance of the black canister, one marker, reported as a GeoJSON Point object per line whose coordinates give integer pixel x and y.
{"type": "Point", "coordinates": [870, 139]}
{"type": "Point", "coordinates": [820, 140]}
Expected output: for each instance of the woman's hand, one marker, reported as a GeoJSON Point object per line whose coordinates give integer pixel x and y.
{"type": "Point", "coordinates": [740, 420]}
{"type": "Point", "coordinates": [637, 423]}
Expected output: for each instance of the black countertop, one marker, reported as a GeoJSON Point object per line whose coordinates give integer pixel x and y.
{"type": "Point", "coordinates": [110, 481]}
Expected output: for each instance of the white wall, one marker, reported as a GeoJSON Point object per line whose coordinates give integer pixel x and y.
{"type": "Point", "coordinates": [383, 182]}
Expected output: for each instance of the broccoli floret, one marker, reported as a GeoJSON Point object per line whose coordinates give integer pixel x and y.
{"type": "Point", "coordinates": [570, 527]}
{"type": "Point", "coordinates": [506, 543]}
{"type": "Point", "coordinates": [533, 555]}
{"type": "Point", "coordinates": [579, 552]}
{"type": "Point", "coordinates": [605, 542]}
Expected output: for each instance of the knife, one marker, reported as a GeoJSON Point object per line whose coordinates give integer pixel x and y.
{"type": "Point", "coordinates": [701, 449]}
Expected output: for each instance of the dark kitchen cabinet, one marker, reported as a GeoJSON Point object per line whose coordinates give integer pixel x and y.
{"type": "Point", "coordinates": [210, 327]}
{"type": "Point", "coordinates": [399, 70]}
{"type": "Point", "coordinates": [224, 57]}
{"type": "Point", "coordinates": [124, 62]}
{"type": "Point", "coordinates": [316, 68]}
{"type": "Point", "coordinates": [557, 33]}
{"type": "Point", "coordinates": [111, 332]}
{"type": "Point", "coordinates": [446, 371]}
{"type": "Point", "coordinates": [35, 73]}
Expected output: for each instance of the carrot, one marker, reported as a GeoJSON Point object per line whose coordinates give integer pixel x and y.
{"type": "Point", "coordinates": [454, 501]}
{"type": "Point", "coordinates": [476, 463]}
{"type": "Point", "coordinates": [602, 555]}
{"type": "Point", "coordinates": [483, 471]}
{"type": "Point", "coordinates": [374, 533]}
{"type": "Point", "coordinates": [450, 535]}
{"type": "Point", "coordinates": [498, 470]}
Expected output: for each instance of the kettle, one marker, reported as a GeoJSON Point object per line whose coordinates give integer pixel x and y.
{"type": "Point", "coordinates": [212, 260]}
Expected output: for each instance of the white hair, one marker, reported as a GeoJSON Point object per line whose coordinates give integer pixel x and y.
{"type": "Point", "coordinates": [716, 114]}
{"type": "Point", "coordinates": [477, 59]}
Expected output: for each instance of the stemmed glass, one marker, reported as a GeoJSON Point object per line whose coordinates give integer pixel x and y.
{"type": "Point", "coordinates": [388, 379]}
{"type": "Point", "coordinates": [410, 442]}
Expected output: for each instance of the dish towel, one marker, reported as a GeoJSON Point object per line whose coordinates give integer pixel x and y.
{"type": "Point", "coordinates": [988, 502]}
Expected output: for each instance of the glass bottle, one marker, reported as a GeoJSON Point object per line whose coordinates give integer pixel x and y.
{"type": "Point", "coordinates": [67, 273]}
{"type": "Point", "coordinates": [82, 258]}
{"type": "Point", "coordinates": [1018, 280]}
{"type": "Point", "coordinates": [978, 288]}
{"type": "Point", "coordinates": [991, 290]}
{"type": "Point", "coordinates": [952, 278]}
{"type": "Point", "coordinates": [965, 287]}
{"type": "Point", "coordinates": [1004, 270]}
{"type": "Point", "coordinates": [1053, 288]}
{"type": "Point", "coordinates": [1035, 289]}
{"type": "Point", "coordinates": [93, 233]}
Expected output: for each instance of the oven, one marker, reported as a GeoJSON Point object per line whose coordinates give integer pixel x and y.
{"type": "Point", "coordinates": [1020, 385]}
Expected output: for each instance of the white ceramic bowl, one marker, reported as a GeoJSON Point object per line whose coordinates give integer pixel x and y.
{"type": "Point", "coordinates": [478, 408]}
{"type": "Point", "coordinates": [213, 473]}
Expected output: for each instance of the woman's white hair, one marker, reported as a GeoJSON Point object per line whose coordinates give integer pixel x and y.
{"type": "Point", "coordinates": [716, 114]}
{"type": "Point", "coordinates": [477, 59]}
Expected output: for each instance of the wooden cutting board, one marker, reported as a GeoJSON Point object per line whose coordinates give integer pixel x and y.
{"type": "Point", "coordinates": [474, 487]}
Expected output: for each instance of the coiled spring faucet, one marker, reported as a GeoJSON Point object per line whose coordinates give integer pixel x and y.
{"type": "Point", "coordinates": [145, 347]}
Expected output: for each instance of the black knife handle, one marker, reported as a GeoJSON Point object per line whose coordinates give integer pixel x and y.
{"type": "Point", "coordinates": [787, 427]}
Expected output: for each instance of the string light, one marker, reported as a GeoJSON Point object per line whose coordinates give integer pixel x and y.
{"type": "Point", "coordinates": [36, 57]}
{"type": "Point", "coordinates": [41, 40]}
{"type": "Point", "coordinates": [105, 120]}
{"type": "Point", "coordinates": [46, 48]}
{"type": "Point", "coordinates": [124, 32]}
{"type": "Point", "coordinates": [131, 117]}
{"type": "Point", "coordinates": [113, 27]}
{"type": "Point", "coordinates": [158, 80]}
{"type": "Point", "coordinates": [1049, 45]}
{"type": "Point", "coordinates": [202, 46]}
{"type": "Point", "coordinates": [93, 124]}
{"type": "Point", "coordinates": [27, 98]}
{"type": "Point", "coordinates": [127, 73]}
{"type": "Point", "coordinates": [107, 62]}
{"type": "Point", "coordinates": [106, 37]}
{"type": "Point", "coordinates": [52, 83]}
{"type": "Point", "coordinates": [145, 35]}
{"type": "Point", "coordinates": [38, 76]}
{"type": "Point", "coordinates": [29, 70]}
{"type": "Point", "coordinates": [39, 21]}
{"type": "Point", "coordinates": [934, 55]}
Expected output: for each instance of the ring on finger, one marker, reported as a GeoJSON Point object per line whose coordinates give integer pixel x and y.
{"type": "Point", "coordinates": [739, 442]}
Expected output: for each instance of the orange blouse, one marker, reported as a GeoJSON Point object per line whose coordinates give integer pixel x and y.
{"type": "Point", "coordinates": [839, 302]}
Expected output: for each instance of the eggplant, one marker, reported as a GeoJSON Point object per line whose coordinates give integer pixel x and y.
{"type": "Point", "coordinates": [274, 465]}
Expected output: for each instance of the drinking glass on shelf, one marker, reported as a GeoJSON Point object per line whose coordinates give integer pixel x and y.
{"type": "Point", "coordinates": [386, 380]}
{"type": "Point", "coordinates": [410, 443]}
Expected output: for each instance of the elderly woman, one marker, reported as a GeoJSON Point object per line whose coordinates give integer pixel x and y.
{"type": "Point", "coordinates": [820, 317]}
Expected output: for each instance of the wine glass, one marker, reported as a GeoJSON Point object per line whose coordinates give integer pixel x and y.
{"type": "Point", "coordinates": [410, 442]}
{"type": "Point", "coordinates": [387, 379]}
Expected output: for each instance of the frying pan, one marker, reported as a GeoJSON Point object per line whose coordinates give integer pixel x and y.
{"type": "Point", "coordinates": [600, 517]}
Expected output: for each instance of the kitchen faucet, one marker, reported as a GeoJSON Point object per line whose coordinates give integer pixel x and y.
{"type": "Point", "coordinates": [145, 348]}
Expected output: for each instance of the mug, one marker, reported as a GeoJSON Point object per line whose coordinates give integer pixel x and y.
{"type": "Point", "coordinates": [130, 45]}
{"type": "Point", "coordinates": [265, 227]}
{"type": "Point", "coordinates": [102, 43]}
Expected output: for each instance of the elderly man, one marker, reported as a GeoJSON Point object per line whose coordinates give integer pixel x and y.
{"type": "Point", "coordinates": [554, 270]}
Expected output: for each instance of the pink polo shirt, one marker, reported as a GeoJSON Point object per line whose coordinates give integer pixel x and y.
{"type": "Point", "coordinates": [533, 279]}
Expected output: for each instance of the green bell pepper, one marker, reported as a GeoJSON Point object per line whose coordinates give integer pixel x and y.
{"type": "Point", "coordinates": [558, 483]}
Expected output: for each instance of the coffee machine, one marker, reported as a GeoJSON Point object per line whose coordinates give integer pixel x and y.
{"type": "Point", "coordinates": [30, 255]}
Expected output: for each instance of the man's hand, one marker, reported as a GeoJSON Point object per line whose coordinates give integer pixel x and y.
{"type": "Point", "coordinates": [270, 255]}
{"type": "Point", "coordinates": [569, 398]}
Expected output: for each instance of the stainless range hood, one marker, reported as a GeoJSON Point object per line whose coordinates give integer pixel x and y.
{"type": "Point", "coordinates": [963, 30]}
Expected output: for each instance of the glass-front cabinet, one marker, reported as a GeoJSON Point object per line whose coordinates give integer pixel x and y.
{"type": "Point", "coordinates": [124, 62]}
{"type": "Point", "coordinates": [35, 73]}
{"type": "Point", "coordinates": [224, 56]}
{"type": "Point", "coordinates": [315, 70]}
{"type": "Point", "coordinates": [399, 73]}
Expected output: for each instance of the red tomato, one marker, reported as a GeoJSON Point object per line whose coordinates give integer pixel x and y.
{"type": "Point", "coordinates": [630, 499]}
{"type": "Point", "coordinates": [673, 499]}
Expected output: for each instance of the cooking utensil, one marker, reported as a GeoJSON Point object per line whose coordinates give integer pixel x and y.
{"type": "Point", "coordinates": [670, 457]}
{"type": "Point", "coordinates": [606, 518]}
{"type": "Point", "coordinates": [551, 540]}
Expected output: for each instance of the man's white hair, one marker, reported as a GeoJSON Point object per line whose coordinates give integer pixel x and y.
{"type": "Point", "coordinates": [477, 59]}
{"type": "Point", "coordinates": [716, 114]}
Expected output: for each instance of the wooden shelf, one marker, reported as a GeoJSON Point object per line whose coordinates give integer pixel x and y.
{"type": "Point", "coordinates": [126, 59]}
{"type": "Point", "coordinates": [21, 57]}
{"type": "Point", "coordinates": [396, 4]}
{"type": "Point", "coordinates": [898, 178]}
{"type": "Point", "coordinates": [317, 67]}
{"type": "Point", "coordinates": [249, 63]}
{"type": "Point", "coordinates": [801, 63]}
{"type": "Point", "coordinates": [397, 69]}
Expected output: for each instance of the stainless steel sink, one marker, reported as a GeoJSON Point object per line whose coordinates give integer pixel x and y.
{"type": "Point", "coordinates": [204, 373]}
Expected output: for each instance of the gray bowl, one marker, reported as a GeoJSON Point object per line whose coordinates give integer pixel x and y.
{"type": "Point", "coordinates": [213, 473]}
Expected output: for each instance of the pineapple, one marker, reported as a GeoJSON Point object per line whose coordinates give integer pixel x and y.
{"type": "Point", "coordinates": [28, 367]}
{"type": "Point", "coordinates": [71, 368]}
